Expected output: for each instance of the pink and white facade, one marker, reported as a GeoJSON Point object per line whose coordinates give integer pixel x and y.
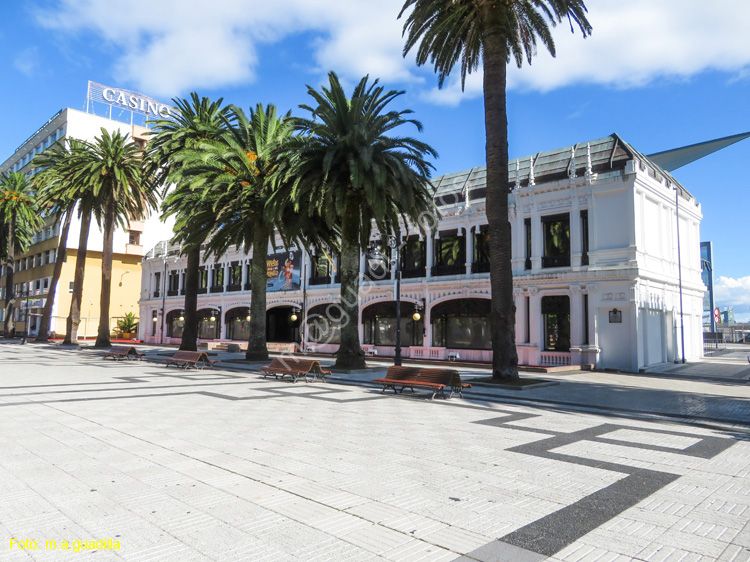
{"type": "Point", "coordinates": [595, 267]}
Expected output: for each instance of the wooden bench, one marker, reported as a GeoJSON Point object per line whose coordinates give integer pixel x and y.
{"type": "Point", "coordinates": [295, 368]}
{"type": "Point", "coordinates": [186, 359]}
{"type": "Point", "coordinates": [118, 352]}
{"type": "Point", "coordinates": [435, 380]}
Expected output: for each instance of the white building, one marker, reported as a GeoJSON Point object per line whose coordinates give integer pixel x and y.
{"type": "Point", "coordinates": [595, 266]}
{"type": "Point", "coordinates": [33, 269]}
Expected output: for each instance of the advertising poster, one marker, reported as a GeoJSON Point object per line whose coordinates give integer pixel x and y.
{"type": "Point", "coordinates": [283, 271]}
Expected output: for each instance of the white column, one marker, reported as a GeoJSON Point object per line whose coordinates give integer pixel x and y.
{"type": "Point", "coordinates": [537, 242]}
{"type": "Point", "coordinates": [520, 300]}
{"type": "Point", "coordinates": [469, 249]}
{"type": "Point", "coordinates": [576, 316]}
{"type": "Point", "coordinates": [427, 325]}
{"type": "Point", "coordinates": [222, 325]}
{"type": "Point", "coordinates": [575, 232]}
{"type": "Point", "coordinates": [535, 319]}
{"type": "Point", "coordinates": [244, 274]}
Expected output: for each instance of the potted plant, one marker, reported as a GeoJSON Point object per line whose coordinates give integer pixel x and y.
{"type": "Point", "coordinates": [127, 326]}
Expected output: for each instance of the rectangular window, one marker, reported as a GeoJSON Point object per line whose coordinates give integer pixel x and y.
{"type": "Point", "coordinates": [217, 283]}
{"type": "Point", "coordinates": [46, 283]}
{"type": "Point", "coordinates": [202, 280]}
{"type": "Point", "coordinates": [70, 286]}
{"type": "Point", "coordinates": [481, 261]}
{"type": "Point", "coordinates": [157, 283]}
{"type": "Point", "coordinates": [556, 315]}
{"type": "Point", "coordinates": [556, 229]}
{"type": "Point", "coordinates": [584, 237]}
{"type": "Point", "coordinates": [527, 237]}
{"type": "Point", "coordinates": [173, 283]}
{"type": "Point", "coordinates": [450, 254]}
{"type": "Point", "coordinates": [235, 275]}
{"type": "Point", "coordinates": [134, 237]}
{"type": "Point", "coordinates": [248, 273]}
{"type": "Point", "coordinates": [413, 258]}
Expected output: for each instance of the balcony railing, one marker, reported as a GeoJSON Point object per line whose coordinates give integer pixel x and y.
{"type": "Point", "coordinates": [480, 267]}
{"type": "Point", "coordinates": [585, 259]}
{"type": "Point", "coordinates": [156, 294]}
{"type": "Point", "coordinates": [438, 270]}
{"type": "Point", "coordinates": [527, 263]}
{"type": "Point", "coordinates": [202, 290]}
{"type": "Point", "coordinates": [320, 280]}
{"type": "Point", "coordinates": [172, 292]}
{"type": "Point", "coordinates": [236, 287]}
{"type": "Point", "coordinates": [217, 289]}
{"type": "Point", "coordinates": [556, 261]}
{"type": "Point", "coordinates": [412, 272]}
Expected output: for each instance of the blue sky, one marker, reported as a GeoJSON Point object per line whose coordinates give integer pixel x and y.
{"type": "Point", "coordinates": [661, 74]}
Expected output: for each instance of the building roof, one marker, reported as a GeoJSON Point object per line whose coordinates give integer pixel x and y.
{"type": "Point", "coordinates": [675, 158]}
{"type": "Point", "coordinates": [607, 154]}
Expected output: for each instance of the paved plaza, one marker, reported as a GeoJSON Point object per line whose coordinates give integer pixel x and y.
{"type": "Point", "coordinates": [132, 461]}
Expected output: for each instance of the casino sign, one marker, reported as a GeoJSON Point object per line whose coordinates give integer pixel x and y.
{"type": "Point", "coordinates": [127, 99]}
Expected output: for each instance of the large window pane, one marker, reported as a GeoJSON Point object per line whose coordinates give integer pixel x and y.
{"type": "Point", "coordinates": [556, 231]}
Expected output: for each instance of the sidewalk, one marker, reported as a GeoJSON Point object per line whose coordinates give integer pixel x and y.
{"type": "Point", "coordinates": [713, 391]}
{"type": "Point", "coordinates": [132, 461]}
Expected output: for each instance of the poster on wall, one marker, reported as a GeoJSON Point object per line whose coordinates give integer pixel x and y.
{"type": "Point", "coordinates": [283, 271]}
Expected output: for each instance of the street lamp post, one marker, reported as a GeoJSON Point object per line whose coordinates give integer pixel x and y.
{"type": "Point", "coordinates": [395, 243]}
{"type": "Point", "coordinates": [25, 318]}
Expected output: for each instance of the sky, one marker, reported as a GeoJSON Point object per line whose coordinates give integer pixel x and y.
{"type": "Point", "coordinates": [661, 74]}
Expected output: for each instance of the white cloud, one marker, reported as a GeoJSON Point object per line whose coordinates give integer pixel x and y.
{"type": "Point", "coordinates": [171, 46]}
{"type": "Point", "coordinates": [729, 290]}
{"type": "Point", "coordinates": [27, 61]}
{"type": "Point", "coordinates": [638, 41]}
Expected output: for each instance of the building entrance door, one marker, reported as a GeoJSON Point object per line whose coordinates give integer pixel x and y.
{"type": "Point", "coordinates": [280, 328]}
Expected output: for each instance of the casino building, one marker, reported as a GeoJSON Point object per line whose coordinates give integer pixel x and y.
{"type": "Point", "coordinates": [596, 229]}
{"type": "Point", "coordinates": [33, 269]}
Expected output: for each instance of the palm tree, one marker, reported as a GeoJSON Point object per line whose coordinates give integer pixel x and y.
{"type": "Point", "coordinates": [19, 215]}
{"type": "Point", "coordinates": [237, 175]}
{"type": "Point", "coordinates": [195, 120]}
{"type": "Point", "coordinates": [123, 191]}
{"type": "Point", "coordinates": [54, 177]}
{"type": "Point", "coordinates": [350, 171]}
{"type": "Point", "coordinates": [490, 33]}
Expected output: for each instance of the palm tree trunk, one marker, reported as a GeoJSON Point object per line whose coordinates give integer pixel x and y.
{"type": "Point", "coordinates": [43, 334]}
{"type": "Point", "coordinates": [74, 317]}
{"type": "Point", "coordinates": [350, 354]}
{"type": "Point", "coordinates": [257, 348]}
{"type": "Point", "coordinates": [502, 308]}
{"type": "Point", "coordinates": [102, 338]}
{"type": "Point", "coordinates": [190, 327]}
{"type": "Point", "coordinates": [9, 266]}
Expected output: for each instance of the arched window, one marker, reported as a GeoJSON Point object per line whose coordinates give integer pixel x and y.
{"type": "Point", "coordinates": [238, 325]}
{"type": "Point", "coordinates": [208, 329]}
{"type": "Point", "coordinates": [324, 323]}
{"type": "Point", "coordinates": [379, 321]}
{"type": "Point", "coordinates": [175, 323]}
{"type": "Point", "coordinates": [461, 324]}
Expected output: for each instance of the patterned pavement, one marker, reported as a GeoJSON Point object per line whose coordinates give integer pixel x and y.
{"type": "Point", "coordinates": [224, 465]}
